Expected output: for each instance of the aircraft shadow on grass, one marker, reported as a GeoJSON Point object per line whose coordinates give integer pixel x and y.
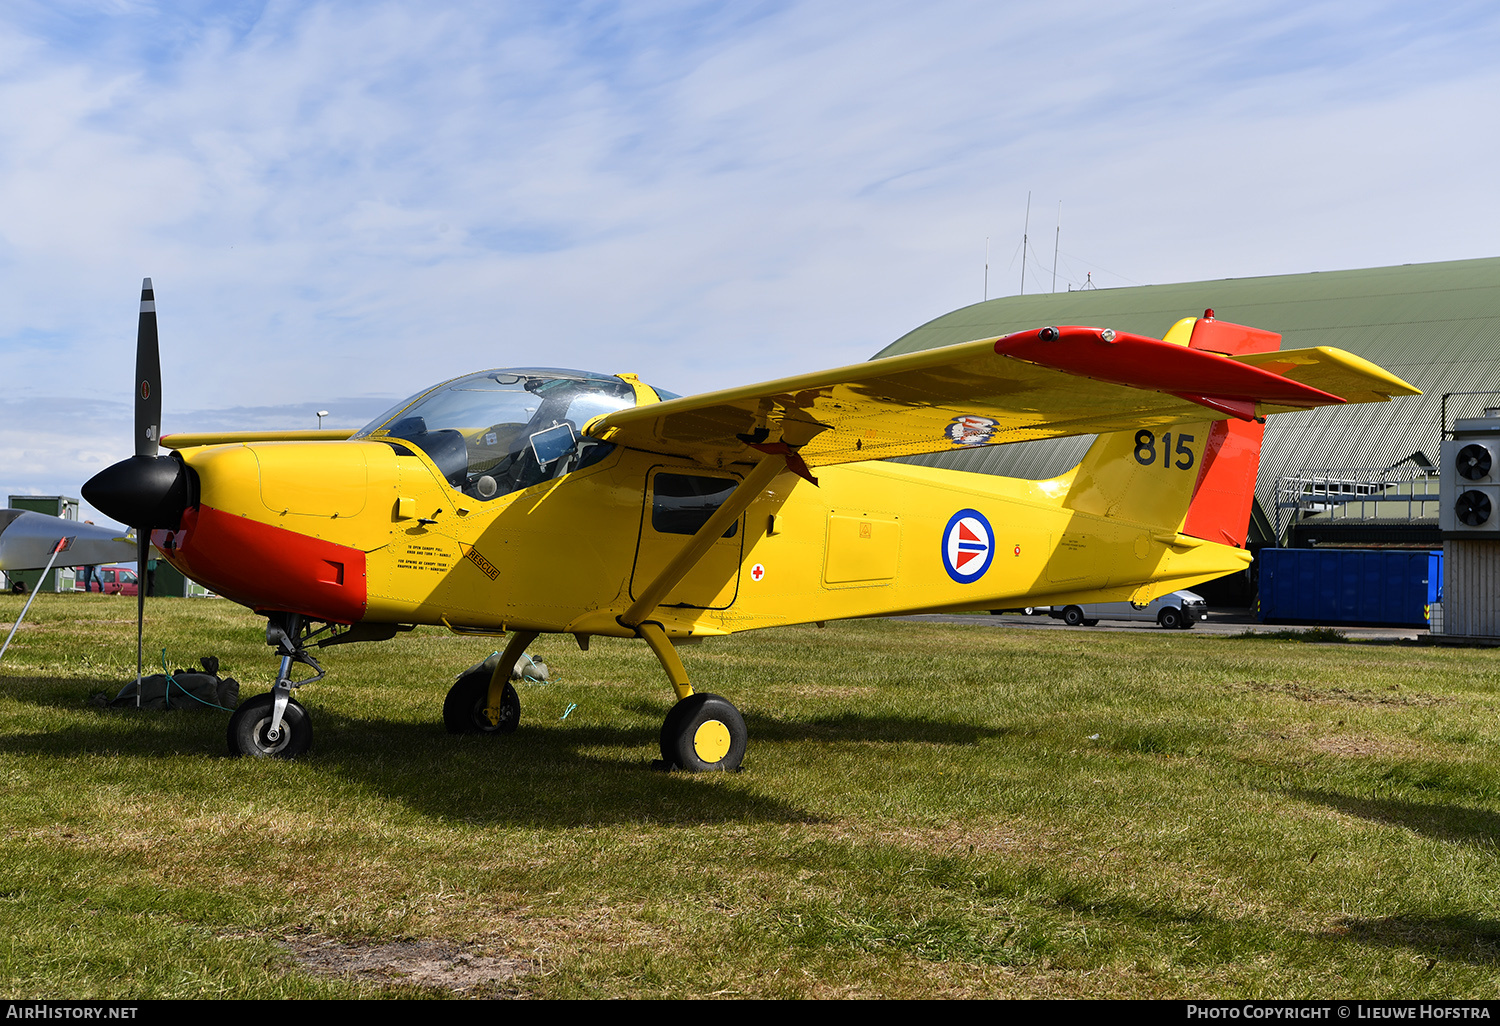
{"type": "Point", "coordinates": [1441, 822]}
{"type": "Point", "coordinates": [536, 776]}
{"type": "Point", "coordinates": [1458, 937]}
{"type": "Point", "coordinates": [1455, 936]}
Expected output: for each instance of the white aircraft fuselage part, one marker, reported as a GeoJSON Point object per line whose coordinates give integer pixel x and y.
{"type": "Point", "coordinates": [27, 540]}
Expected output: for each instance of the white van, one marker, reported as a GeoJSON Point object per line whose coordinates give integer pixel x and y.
{"type": "Point", "coordinates": [1179, 609]}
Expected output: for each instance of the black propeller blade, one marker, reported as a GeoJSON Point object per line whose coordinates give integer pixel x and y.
{"type": "Point", "coordinates": [146, 491]}
{"type": "Point", "coordinates": [147, 376]}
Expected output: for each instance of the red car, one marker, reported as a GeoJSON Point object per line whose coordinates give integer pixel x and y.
{"type": "Point", "coordinates": [115, 580]}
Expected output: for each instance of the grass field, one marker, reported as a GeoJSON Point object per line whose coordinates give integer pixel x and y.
{"type": "Point", "coordinates": [926, 810]}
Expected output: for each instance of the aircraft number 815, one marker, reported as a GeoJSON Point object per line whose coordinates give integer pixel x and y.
{"type": "Point", "coordinates": [1145, 450]}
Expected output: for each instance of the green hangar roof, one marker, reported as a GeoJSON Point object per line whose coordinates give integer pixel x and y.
{"type": "Point", "coordinates": [1435, 325]}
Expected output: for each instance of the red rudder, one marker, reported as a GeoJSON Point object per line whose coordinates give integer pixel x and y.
{"type": "Point", "coordinates": [1225, 490]}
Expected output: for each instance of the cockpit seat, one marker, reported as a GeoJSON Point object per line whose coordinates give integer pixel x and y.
{"type": "Point", "coordinates": [534, 435]}
{"type": "Point", "coordinates": [446, 447]}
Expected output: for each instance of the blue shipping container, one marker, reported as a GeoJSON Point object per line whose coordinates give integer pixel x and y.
{"type": "Point", "coordinates": [1363, 586]}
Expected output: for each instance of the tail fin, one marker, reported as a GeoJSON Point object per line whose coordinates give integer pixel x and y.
{"type": "Point", "coordinates": [1194, 478]}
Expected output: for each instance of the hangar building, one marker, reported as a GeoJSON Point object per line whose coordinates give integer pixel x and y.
{"type": "Point", "coordinates": [1351, 477]}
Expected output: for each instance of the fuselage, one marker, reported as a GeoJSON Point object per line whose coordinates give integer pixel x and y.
{"type": "Point", "coordinates": [376, 532]}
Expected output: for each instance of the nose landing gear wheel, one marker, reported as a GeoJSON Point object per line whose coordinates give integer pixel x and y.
{"type": "Point", "coordinates": [250, 726]}
{"type": "Point", "coordinates": [704, 732]}
{"type": "Point", "coordinates": [463, 709]}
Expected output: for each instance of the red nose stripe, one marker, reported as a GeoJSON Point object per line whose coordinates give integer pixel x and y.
{"type": "Point", "coordinates": [267, 568]}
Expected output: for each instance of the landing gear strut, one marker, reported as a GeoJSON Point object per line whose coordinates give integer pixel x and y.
{"type": "Point", "coordinates": [482, 700]}
{"type": "Point", "coordinates": [276, 724]}
{"type": "Point", "coordinates": [702, 731]}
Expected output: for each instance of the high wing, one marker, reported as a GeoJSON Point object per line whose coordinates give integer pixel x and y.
{"type": "Point", "coordinates": [1045, 383]}
{"type": "Point", "coordinates": [27, 540]}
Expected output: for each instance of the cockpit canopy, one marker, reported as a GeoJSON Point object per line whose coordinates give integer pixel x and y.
{"type": "Point", "coordinates": [499, 431]}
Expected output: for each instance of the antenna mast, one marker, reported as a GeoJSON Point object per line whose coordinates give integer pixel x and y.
{"type": "Point", "coordinates": [986, 268]}
{"type": "Point", "coordinates": [1024, 233]}
{"type": "Point", "coordinates": [1055, 243]}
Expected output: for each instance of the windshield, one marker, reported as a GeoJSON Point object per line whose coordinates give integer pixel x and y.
{"type": "Point", "coordinates": [499, 431]}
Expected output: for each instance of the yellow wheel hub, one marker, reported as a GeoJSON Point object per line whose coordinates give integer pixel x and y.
{"type": "Point", "coordinates": [711, 741]}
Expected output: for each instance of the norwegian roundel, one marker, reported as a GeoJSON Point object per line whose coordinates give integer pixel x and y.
{"type": "Point", "coordinates": [968, 546]}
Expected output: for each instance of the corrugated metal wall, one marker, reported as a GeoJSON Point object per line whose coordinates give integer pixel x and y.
{"type": "Point", "coordinates": [1471, 587]}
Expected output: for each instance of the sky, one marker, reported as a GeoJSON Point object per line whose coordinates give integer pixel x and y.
{"type": "Point", "coordinates": [341, 203]}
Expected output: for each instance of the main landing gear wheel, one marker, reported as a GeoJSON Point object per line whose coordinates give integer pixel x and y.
{"type": "Point", "coordinates": [250, 726]}
{"type": "Point", "coordinates": [463, 709]}
{"type": "Point", "coordinates": [704, 732]}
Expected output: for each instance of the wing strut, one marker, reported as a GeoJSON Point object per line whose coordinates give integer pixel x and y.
{"type": "Point", "coordinates": [739, 500]}
{"type": "Point", "coordinates": [702, 731]}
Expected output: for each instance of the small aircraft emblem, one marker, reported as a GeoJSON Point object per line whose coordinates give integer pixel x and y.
{"type": "Point", "coordinates": [971, 430]}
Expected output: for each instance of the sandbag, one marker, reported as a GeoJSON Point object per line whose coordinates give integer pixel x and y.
{"type": "Point", "coordinates": [182, 690]}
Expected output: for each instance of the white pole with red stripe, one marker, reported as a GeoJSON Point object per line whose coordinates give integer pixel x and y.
{"type": "Point", "coordinates": [62, 543]}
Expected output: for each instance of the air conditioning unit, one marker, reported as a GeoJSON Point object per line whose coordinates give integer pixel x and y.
{"type": "Point", "coordinates": [1470, 506]}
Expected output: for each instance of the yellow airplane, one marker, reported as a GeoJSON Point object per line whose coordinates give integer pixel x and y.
{"type": "Point", "coordinates": [536, 500]}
